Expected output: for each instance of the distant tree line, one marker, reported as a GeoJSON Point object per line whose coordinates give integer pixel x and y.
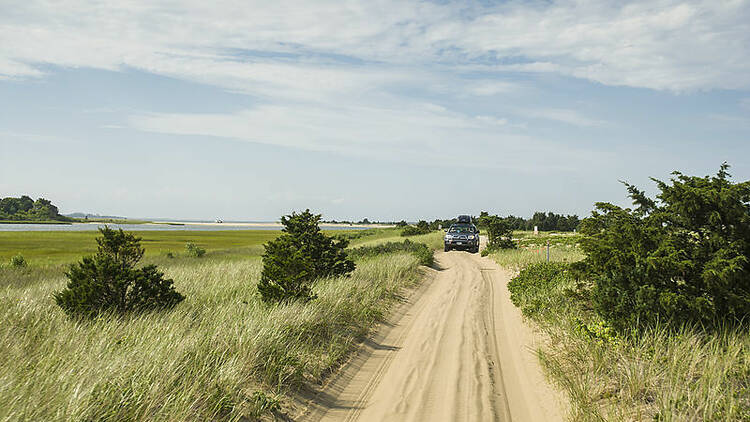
{"type": "Point", "coordinates": [362, 221]}
{"type": "Point", "coordinates": [545, 222]}
{"type": "Point", "coordinates": [548, 221]}
{"type": "Point", "coordinates": [27, 209]}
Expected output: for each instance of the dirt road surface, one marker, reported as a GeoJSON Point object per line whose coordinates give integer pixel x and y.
{"type": "Point", "coordinates": [457, 350]}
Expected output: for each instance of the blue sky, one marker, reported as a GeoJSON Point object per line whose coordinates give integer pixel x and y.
{"type": "Point", "coordinates": [381, 109]}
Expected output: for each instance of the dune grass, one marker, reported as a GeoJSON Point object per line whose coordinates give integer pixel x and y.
{"type": "Point", "coordinates": [434, 240]}
{"type": "Point", "coordinates": [659, 374]}
{"type": "Point", "coordinates": [220, 355]}
{"type": "Point", "coordinates": [523, 256]}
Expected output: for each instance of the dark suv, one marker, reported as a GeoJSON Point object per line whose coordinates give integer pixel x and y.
{"type": "Point", "coordinates": [462, 236]}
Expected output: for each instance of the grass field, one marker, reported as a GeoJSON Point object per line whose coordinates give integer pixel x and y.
{"type": "Point", "coordinates": [662, 375]}
{"type": "Point", "coordinates": [42, 248]}
{"type": "Point", "coordinates": [219, 355]}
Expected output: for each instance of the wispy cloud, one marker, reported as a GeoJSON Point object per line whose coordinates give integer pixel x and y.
{"type": "Point", "coordinates": [418, 133]}
{"type": "Point", "coordinates": [571, 117]}
{"type": "Point", "coordinates": [663, 44]}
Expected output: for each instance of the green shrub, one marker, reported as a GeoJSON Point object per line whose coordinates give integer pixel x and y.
{"type": "Point", "coordinates": [530, 289]}
{"type": "Point", "coordinates": [300, 255]}
{"type": "Point", "coordinates": [499, 232]}
{"type": "Point", "coordinates": [423, 253]}
{"type": "Point", "coordinates": [18, 261]}
{"type": "Point", "coordinates": [194, 250]}
{"type": "Point", "coordinates": [108, 281]}
{"type": "Point", "coordinates": [422, 227]}
{"type": "Point", "coordinates": [684, 257]}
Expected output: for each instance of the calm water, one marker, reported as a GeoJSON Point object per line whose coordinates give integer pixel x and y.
{"type": "Point", "coordinates": [144, 227]}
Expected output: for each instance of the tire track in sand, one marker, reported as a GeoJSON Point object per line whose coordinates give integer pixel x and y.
{"type": "Point", "coordinates": [457, 351]}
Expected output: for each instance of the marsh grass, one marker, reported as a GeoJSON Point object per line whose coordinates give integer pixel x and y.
{"type": "Point", "coordinates": [688, 374]}
{"type": "Point", "coordinates": [57, 248]}
{"type": "Point", "coordinates": [210, 358]}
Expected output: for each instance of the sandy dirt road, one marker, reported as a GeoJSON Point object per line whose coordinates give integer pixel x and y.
{"type": "Point", "coordinates": [457, 350]}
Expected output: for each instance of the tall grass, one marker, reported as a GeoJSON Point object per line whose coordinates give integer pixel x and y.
{"type": "Point", "coordinates": [204, 360]}
{"type": "Point", "coordinates": [524, 256]}
{"type": "Point", "coordinates": [433, 240]}
{"type": "Point", "coordinates": [657, 374]}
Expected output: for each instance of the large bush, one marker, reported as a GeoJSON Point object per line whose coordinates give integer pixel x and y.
{"type": "Point", "coordinates": [422, 227]}
{"type": "Point", "coordinates": [109, 281]}
{"type": "Point", "coordinates": [300, 255]}
{"type": "Point", "coordinates": [682, 257]}
{"type": "Point", "coordinates": [499, 232]}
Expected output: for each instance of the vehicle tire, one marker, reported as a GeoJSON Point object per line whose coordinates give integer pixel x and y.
{"type": "Point", "coordinates": [475, 250]}
{"type": "Point", "coordinates": [447, 249]}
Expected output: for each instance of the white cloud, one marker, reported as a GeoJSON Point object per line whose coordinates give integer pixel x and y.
{"type": "Point", "coordinates": [341, 77]}
{"type": "Point", "coordinates": [488, 88]}
{"type": "Point", "coordinates": [662, 44]}
{"type": "Point", "coordinates": [419, 133]}
{"type": "Point", "coordinates": [568, 116]}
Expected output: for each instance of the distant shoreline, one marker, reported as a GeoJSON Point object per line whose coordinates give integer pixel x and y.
{"type": "Point", "coordinates": [67, 223]}
{"type": "Point", "coordinates": [270, 224]}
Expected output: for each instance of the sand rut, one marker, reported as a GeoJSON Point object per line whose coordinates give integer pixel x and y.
{"type": "Point", "coordinates": [457, 351]}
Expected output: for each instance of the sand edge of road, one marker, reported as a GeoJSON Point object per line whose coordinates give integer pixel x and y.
{"type": "Point", "coordinates": [312, 403]}
{"type": "Point", "coordinates": [531, 394]}
{"type": "Point", "coordinates": [520, 390]}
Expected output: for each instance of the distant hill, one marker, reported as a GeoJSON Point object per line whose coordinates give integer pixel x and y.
{"type": "Point", "coordinates": [27, 209]}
